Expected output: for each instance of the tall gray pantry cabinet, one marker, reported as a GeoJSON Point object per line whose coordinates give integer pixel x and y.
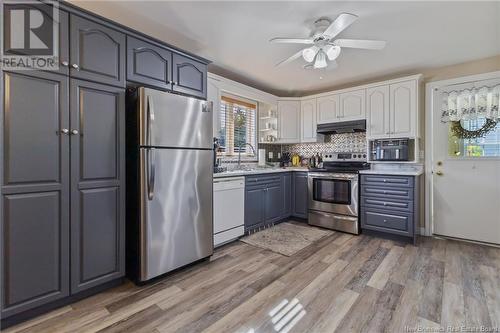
{"type": "Point", "coordinates": [63, 141]}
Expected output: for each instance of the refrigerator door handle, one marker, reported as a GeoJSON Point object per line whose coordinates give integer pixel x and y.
{"type": "Point", "coordinates": [151, 119]}
{"type": "Point", "coordinates": [151, 169]}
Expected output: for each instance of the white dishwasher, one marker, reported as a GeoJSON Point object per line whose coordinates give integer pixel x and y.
{"type": "Point", "coordinates": [229, 209]}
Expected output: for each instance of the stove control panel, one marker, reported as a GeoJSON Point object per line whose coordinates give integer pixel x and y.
{"type": "Point", "coordinates": [346, 157]}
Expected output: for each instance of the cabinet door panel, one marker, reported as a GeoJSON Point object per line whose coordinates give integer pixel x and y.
{"type": "Point", "coordinates": [377, 108]}
{"type": "Point", "coordinates": [99, 235]}
{"type": "Point", "coordinates": [328, 109]}
{"type": "Point", "coordinates": [98, 132]}
{"type": "Point", "coordinates": [98, 51]}
{"type": "Point", "coordinates": [31, 127]}
{"type": "Point", "coordinates": [254, 207]}
{"type": "Point", "coordinates": [300, 197]}
{"type": "Point", "coordinates": [189, 76]}
{"type": "Point", "coordinates": [273, 203]}
{"type": "Point", "coordinates": [403, 109]}
{"type": "Point", "coordinates": [36, 244]}
{"type": "Point", "coordinates": [288, 121]}
{"type": "Point", "coordinates": [308, 121]}
{"type": "Point", "coordinates": [148, 64]}
{"type": "Point", "coordinates": [97, 114]}
{"type": "Point", "coordinates": [97, 185]}
{"type": "Point", "coordinates": [352, 105]}
{"type": "Point", "coordinates": [35, 190]}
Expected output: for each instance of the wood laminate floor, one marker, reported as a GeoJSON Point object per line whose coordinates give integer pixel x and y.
{"type": "Point", "coordinates": [340, 283]}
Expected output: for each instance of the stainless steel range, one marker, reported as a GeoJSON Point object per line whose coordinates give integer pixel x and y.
{"type": "Point", "coordinates": [334, 192]}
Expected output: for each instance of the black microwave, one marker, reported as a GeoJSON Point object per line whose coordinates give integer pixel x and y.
{"type": "Point", "coordinates": [390, 150]}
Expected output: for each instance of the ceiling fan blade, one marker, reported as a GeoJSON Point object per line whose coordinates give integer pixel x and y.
{"type": "Point", "coordinates": [341, 22]}
{"type": "Point", "coordinates": [292, 40]}
{"type": "Point", "coordinates": [290, 59]}
{"type": "Point", "coordinates": [360, 43]}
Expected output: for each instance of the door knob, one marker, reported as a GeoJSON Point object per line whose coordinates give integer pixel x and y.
{"type": "Point", "coordinates": [439, 173]}
{"type": "Point", "coordinates": [65, 63]}
{"type": "Point", "coordinates": [74, 132]}
{"type": "Point", "coordinates": [75, 66]}
{"type": "Point", "coordinates": [65, 131]}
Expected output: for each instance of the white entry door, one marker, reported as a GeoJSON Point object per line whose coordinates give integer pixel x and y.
{"type": "Point", "coordinates": [465, 183]}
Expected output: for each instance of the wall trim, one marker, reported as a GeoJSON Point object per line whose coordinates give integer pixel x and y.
{"type": "Point", "coordinates": [429, 102]}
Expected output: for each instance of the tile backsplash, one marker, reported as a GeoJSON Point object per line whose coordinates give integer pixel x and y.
{"type": "Point", "coordinates": [346, 142]}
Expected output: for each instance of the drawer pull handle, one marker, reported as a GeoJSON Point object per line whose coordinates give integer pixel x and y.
{"type": "Point", "coordinates": [385, 203]}
{"type": "Point", "coordinates": [385, 221]}
{"type": "Point", "coordinates": [385, 180]}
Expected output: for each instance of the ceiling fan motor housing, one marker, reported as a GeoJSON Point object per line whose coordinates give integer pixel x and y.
{"type": "Point", "coordinates": [320, 25]}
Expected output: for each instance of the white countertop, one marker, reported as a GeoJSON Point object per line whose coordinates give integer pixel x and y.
{"type": "Point", "coordinates": [394, 169]}
{"type": "Point", "coordinates": [392, 172]}
{"type": "Point", "coordinates": [257, 171]}
{"type": "Point", "coordinates": [376, 170]}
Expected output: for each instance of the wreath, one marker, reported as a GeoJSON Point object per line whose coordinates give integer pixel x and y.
{"type": "Point", "coordinates": [462, 133]}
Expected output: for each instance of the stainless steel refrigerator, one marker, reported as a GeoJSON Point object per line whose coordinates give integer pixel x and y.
{"type": "Point", "coordinates": [169, 178]}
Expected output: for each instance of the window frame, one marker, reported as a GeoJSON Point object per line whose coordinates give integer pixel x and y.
{"type": "Point", "coordinates": [247, 104]}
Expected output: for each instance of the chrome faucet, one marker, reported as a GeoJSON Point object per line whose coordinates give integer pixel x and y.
{"type": "Point", "coordinates": [239, 152]}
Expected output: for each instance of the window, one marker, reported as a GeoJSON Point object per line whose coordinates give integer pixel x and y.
{"type": "Point", "coordinates": [237, 125]}
{"type": "Point", "coordinates": [486, 146]}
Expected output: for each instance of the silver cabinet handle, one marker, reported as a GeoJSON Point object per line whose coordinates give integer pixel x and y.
{"type": "Point", "coordinates": [151, 119]}
{"type": "Point", "coordinates": [74, 132]}
{"type": "Point", "coordinates": [151, 168]}
{"type": "Point", "coordinates": [65, 63]}
{"type": "Point", "coordinates": [65, 131]}
{"type": "Point", "coordinates": [75, 66]}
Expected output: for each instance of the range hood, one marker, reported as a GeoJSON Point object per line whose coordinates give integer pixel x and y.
{"type": "Point", "coordinates": [342, 127]}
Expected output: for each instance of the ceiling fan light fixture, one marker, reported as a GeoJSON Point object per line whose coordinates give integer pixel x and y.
{"type": "Point", "coordinates": [309, 53]}
{"type": "Point", "coordinates": [320, 61]}
{"type": "Point", "coordinates": [332, 52]}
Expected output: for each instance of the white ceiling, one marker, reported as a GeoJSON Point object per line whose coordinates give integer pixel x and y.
{"type": "Point", "coordinates": [234, 36]}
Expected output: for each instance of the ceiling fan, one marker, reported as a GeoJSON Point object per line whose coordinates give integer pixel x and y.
{"type": "Point", "coordinates": [324, 47]}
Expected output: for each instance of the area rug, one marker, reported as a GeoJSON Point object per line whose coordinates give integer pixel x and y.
{"type": "Point", "coordinates": [286, 238]}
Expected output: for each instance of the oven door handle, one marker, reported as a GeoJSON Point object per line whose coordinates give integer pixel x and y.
{"type": "Point", "coordinates": [339, 217]}
{"type": "Point", "coordinates": [332, 176]}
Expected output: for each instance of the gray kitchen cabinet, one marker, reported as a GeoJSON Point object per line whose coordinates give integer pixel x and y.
{"type": "Point", "coordinates": [273, 203]}
{"type": "Point", "coordinates": [389, 204]}
{"type": "Point", "coordinates": [97, 184]}
{"type": "Point", "coordinates": [189, 76]}
{"type": "Point", "coordinates": [287, 194]}
{"type": "Point", "coordinates": [254, 206]}
{"type": "Point", "coordinates": [148, 64]}
{"type": "Point", "coordinates": [97, 52]}
{"type": "Point", "coordinates": [35, 191]}
{"type": "Point", "coordinates": [300, 197]}
{"type": "Point", "coordinates": [263, 200]}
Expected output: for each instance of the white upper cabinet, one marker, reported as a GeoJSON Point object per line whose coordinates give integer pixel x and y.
{"type": "Point", "coordinates": [392, 110]}
{"type": "Point", "coordinates": [352, 105]}
{"type": "Point", "coordinates": [403, 109]}
{"type": "Point", "coordinates": [289, 121]}
{"type": "Point", "coordinates": [377, 112]}
{"type": "Point", "coordinates": [327, 109]}
{"type": "Point", "coordinates": [308, 120]}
